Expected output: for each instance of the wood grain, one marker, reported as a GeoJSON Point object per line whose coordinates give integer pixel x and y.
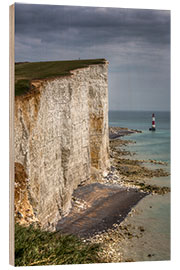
{"type": "Point", "coordinates": [11, 132]}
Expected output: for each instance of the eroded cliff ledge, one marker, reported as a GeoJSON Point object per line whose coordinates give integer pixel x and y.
{"type": "Point", "coordinates": [61, 138]}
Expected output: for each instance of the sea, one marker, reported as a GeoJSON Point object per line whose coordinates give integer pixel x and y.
{"type": "Point", "coordinates": [152, 212]}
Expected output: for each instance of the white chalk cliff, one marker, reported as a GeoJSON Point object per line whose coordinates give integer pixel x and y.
{"type": "Point", "coordinates": [61, 139]}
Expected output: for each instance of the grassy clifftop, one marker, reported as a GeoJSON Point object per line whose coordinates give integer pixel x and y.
{"type": "Point", "coordinates": [25, 72]}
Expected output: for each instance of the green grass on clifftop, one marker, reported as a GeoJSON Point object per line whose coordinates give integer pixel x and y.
{"type": "Point", "coordinates": [36, 247]}
{"type": "Point", "coordinates": [25, 72]}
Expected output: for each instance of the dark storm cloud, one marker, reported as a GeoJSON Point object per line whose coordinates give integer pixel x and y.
{"type": "Point", "coordinates": [85, 24]}
{"type": "Point", "coordinates": [135, 42]}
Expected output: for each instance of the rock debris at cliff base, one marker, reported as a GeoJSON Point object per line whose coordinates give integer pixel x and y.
{"type": "Point", "coordinates": [104, 206]}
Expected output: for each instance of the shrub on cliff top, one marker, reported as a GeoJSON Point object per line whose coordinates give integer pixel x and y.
{"type": "Point", "coordinates": [36, 247]}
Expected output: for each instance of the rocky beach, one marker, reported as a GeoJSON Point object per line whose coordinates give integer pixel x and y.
{"type": "Point", "coordinates": [104, 212]}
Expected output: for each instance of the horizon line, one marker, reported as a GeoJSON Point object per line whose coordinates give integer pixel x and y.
{"type": "Point", "coordinates": [116, 110]}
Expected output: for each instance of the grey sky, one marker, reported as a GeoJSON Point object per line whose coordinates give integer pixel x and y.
{"type": "Point", "coordinates": [135, 42]}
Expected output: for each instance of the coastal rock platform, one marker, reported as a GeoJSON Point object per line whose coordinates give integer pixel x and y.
{"type": "Point", "coordinates": [97, 207]}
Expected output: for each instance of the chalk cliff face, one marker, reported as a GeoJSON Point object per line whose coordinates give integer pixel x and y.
{"type": "Point", "coordinates": [61, 138]}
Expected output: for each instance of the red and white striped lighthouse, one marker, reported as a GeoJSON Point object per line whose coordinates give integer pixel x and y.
{"type": "Point", "coordinates": [153, 121]}
{"type": "Point", "coordinates": [153, 128]}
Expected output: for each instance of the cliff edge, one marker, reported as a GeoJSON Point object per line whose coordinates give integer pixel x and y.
{"type": "Point", "coordinates": [61, 135]}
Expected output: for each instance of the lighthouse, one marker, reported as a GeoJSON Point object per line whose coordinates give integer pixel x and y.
{"type": "Point", "coordinates": [153, 128]}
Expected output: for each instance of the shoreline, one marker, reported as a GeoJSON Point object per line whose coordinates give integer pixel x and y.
{"type": "Point", "coordinates": [96, 207]}
{"type": "Point", "coordinates": [132, 172]}
{"type": "Point", "coordinates": [99, 214]}
{"type": "Point", "coordinates": [104, 206]}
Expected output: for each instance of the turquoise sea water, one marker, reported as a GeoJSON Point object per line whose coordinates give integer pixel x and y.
{"type": "Point", "coordinates": [152, 145]}
{"type": "Point", "coordinates": [154, 210]}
